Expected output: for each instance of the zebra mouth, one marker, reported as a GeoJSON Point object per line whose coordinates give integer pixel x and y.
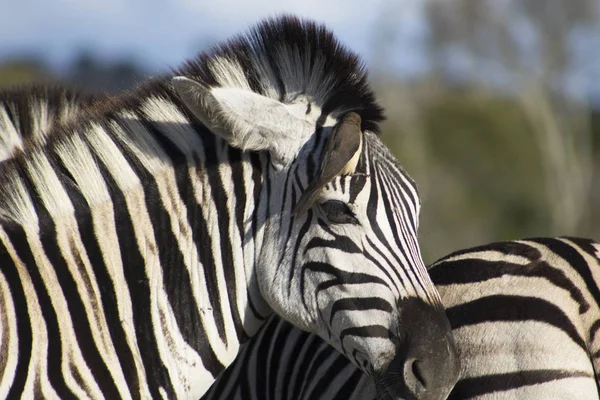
{"type": "Point", "coordinates": [426, 365]}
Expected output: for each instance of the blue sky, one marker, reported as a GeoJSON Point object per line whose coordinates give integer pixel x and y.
{"type": "Point", "coordinates": [161, 34]}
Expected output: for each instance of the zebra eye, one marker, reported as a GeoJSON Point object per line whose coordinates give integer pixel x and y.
{"type": "Point", "coordinates": [338, 212]}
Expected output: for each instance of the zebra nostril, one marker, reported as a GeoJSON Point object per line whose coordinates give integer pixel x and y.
{"type": "Point", "coordinates": [416, 372]}
{"type": "Point", "coordinates": [426, 361]}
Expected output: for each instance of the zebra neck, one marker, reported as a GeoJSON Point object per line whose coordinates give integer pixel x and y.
{"type": "Point", "coordinates": [203, 210]}
{"type": "Point", "coordinates": [156, 221]}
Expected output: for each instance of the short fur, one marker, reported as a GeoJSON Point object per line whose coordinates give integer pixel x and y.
{"type": "Point", "coordinates": [525, 315]}
{"type": "Point", "coordinates": [142, 247]}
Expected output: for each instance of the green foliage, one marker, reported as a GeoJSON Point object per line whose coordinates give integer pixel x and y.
{"type": "Point", "coordinates": [480, 166]}
{"type": "Point", "coordinates": [478, 155]}
{"type": "Point", "coordinates": [22, 72]}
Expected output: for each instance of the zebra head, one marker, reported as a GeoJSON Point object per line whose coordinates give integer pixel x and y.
{"type": "Point", "coordinates": [337, 252]}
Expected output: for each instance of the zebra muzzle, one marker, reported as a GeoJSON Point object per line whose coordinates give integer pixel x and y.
{"type": "Point", "coordinates": [426, 364]}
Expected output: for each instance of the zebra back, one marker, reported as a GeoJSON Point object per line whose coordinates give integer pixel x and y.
{"type": "Point", "coordinates": [27, 113]}
{"type": "Point", "coordinates": [525, 316]}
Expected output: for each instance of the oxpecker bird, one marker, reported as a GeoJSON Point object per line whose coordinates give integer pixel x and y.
{"type": "Point", "coordinates": [340, 157]}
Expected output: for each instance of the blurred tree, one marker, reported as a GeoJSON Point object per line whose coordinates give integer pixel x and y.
{"type": "Point", "coordinates": [531, 44]}
{"type": "Point", "coordinates": [23, 71]}
{"type": "Point", "coordinates": [477, 163]}
{"type": "Point", "coordinates": [92, 74]}
{"type": "Point", "coordinates": [499, 142]}
{"type": "Point", "coordinates": [495, 134]}
{"type": "Point", "coordinates": [86, 71]}
{"type": "Point", "coordinates": [525, 37]}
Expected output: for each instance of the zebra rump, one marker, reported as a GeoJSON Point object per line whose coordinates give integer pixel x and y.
{"type": "Point", "coordinates": [525, 316]}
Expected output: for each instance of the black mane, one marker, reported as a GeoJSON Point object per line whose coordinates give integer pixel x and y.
{"type": "Point", "coordinates": [23, 103]}
{"type": "Point", "coordinates": [280, 58]}
{"type": "Point", "coordinates": [284, 56]}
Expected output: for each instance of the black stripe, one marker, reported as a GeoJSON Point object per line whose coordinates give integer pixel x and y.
{"type": "Point", "coordinates": [343, 180]}
{"type": "Point", "coordinates": [239, 191]}
{"type": "Point", "coordinates": [81, 325]}
{"type": "Point", "coordinates": [506, 248]}
{"type": "Point", "coordinates": [139, 290]}
{"type": "Point", "coordinates": [276, 347]}
{"type": "Point", "coordinates": [594, 329]}
{"type": "Point", "coordinates": [263, 365]}
{"type": "Point", "coordinates": [287, 187]}
{"type": "Point", "coordinates": [186, 313]}
{"type": "Point", "coordinates": [356, 185]}
{"type": "Point", "coordinates": [342, 243]}
{"type": "Point", "coordinates": [317, 360]}
{"type": "Point", "coordinates": [351, 383]}
{"type": "Point", "coordinates": [267, 184]}
{"type": "Point", "coordinates": [220, 197]}
{"type": "Point", "coordinates": [257, 185]}
{"type": "Point", "coordinates": [372, 217]}
{"type": "Point", "coordinates": [326, 378]}
{"type": "Point", "coordinates": [512, 308]}
{"type": "Point", "coordinates": [24, 335]}
{"type": "Point", "coordinates": [471, 387]}
{"type": "Point", "coordinates": [292, 268]}
{"type": "Point", "coordinates": [176, 278]}
{"type": "Point", "coordinates": [297, 239]}
{"type": "Point", "coordinates": [587, 245]}
{"type": "Point", "coordinates": [333, 185]}
{"type": "Point", "coordinates": [240, 199]}
{"type": "Point", "coordinates": [359, 304]}
{"type": "Point", "coordinates": [380, 266]}
{"type": "Point", "coordinates": [104, 281]}
{"type": "Point", "coordinates": [239, 370]}
{"type": "Point", "coordinates": [368, 331]}
{"type": "Point", "coordinates": [576, 261]}
{"type": "Point", "coordinates": [311, 345]}
{"type": "Point", "coordinates": [397, 236]}
{"type": "Point", "coordinates": [291, 382]}
{"type": "Point", "coordinates": [21, 245]}
{"type": "Point", "coordinates": [471, 270]}
{"type": "Point", "coordinates": [340, 277]}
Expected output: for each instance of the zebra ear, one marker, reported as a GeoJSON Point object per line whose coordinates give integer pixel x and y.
{"type": "Point", "coordinates": [246, 120]}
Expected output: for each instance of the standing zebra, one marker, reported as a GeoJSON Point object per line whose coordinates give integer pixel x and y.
{"type": "Point", "coordinates": [525, 317]}
{"type": "Point", "coordinates": [143, 242]}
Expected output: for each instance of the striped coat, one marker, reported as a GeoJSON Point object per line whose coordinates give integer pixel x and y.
{"type": "Point", "coordinates": [142, 241]}
{"type": "Point", "coordinates": [525, 316]}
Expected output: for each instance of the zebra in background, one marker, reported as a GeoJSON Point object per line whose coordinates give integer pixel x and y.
{"type": "Point", "coordinates": [140, 246]}
{"type": "Point", "coordinates": [525, 316]}
{"type": "Point", "coordinates": [28, 112]}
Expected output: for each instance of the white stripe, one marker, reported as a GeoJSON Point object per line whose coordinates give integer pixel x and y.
{"type": "Point", "coordinates": [10, 139]}
{"type": "Point", "coordinates": [79, 162]}
{"type": "Point", "coordinates": [40, 118]}
{"type": "Point", "coordinates": [9, 321]}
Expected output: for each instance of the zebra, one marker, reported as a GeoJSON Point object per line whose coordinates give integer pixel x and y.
{"type": "Point", "coordinates": [28, 112]}
{"type": "Point", "coordinates": [143, 240]}
{"type": "Point", "coordinates": [525, 316]}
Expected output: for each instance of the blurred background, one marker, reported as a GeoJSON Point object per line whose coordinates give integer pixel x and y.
{"type": "Point", "coordinates": [493, 105]}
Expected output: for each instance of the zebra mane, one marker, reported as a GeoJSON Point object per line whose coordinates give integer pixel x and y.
{"type": "Point", "coordinates": [282, 58]}
{"type": "Point", "coordinates": [29, 111]}
{"type": "Point", "coordinates": [286, 57]}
